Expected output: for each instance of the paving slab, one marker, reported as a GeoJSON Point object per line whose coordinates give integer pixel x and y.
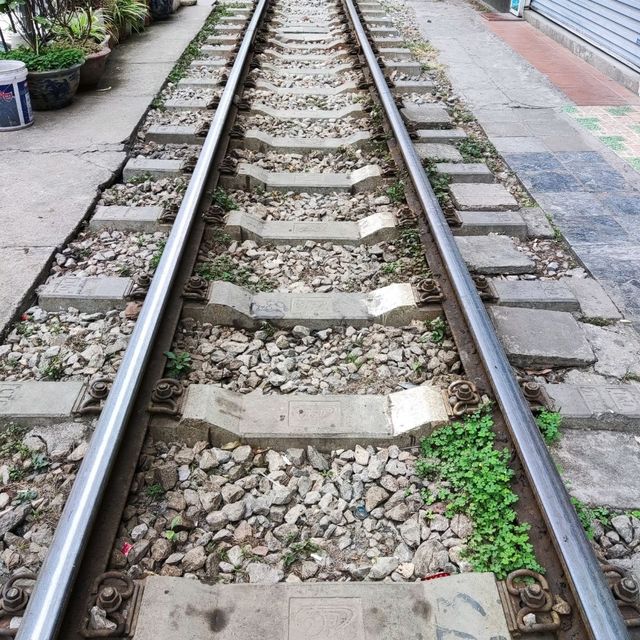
{"type": "Point", "coordinates": [600, 467]}
{"type": "Point", "coordinates": [461, 606]}
{"type": "Point", "coordinates": [594, 302]}
{"type": "Point", "coordinates": [535, 338]}
{"type": "Point", "coordinates": [31, 402]}
{"type": "Point", "coordinates": [174, 134]}
{"type": "Point", "coordinates": [482, 197]}
{"type": "Point", "coordinates": [231, 305]}
{"type": "Point", "coordinates": [143, 219]}
{"type": "Point", "coordinates": [152, 167]}
{"type": "Point", "coordinates": [617, 348]}
{"type": "Point", "coordinates": [481, 223]}
{"type": "Point", "coordinates": [614, 407]}
{"type": "Point", "coordinates": [255, 140]}
{"type": "Point", "coordinates": [55, 168]}
{"type": "Point", "coordinates": [378, 227]}
{"type": "Point", "coordinates": [425, 116]}
{"type": "Point", "coordinates": [439, 151]}
{"type": "Point", "coordinates": [250, 176]}
{"type": "Point", "coordinates": [553, 295]}
{"type": "Point", "coordinates": [326, 421]}
{"type": "Point", "coordinates": [440, 135]}
{"type": "Point", "coordinates": [491, 255]}
{"type": "Point", "coordinates": [87, 294]}
{"type": "Point", "coordinates": [406, 67]}
{"type": "Point", "coordinates": [537, 223]}
{"type": "Point", "coordinates": [474, 172]}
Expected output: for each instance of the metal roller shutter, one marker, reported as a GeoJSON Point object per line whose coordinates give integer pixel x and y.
{"type": "Point", "coordinates": [611, 25]}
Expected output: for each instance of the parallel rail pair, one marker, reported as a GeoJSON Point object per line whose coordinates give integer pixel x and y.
{"type": "Point", "coordinates": [598, 610]}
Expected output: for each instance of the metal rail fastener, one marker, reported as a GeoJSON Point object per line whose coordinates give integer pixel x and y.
{"type": "Point", "coordinates": [55, 579]}
{"type": "Point", "coordinates": [599, 610]}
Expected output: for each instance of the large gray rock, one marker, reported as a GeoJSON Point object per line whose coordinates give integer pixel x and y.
{"type": "Point", "coordinates": [430, 557]}
{"type": "Point", "coordinates": [260, 573]}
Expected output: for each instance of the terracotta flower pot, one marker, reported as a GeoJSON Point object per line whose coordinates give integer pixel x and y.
{"type": "Point", "coordinates": [53, 89]}
{"type": "Point", "coordinates": [93, 69]}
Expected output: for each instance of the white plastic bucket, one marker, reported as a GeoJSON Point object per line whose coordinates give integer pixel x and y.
{"type": "Point", "coordinates": [15, 103]}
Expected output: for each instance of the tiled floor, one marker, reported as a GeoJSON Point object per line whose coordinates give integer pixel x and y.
{"type": "Point", "coordinates": [581, 82]}
{"type": "Point", "coordinates": [618, 127]}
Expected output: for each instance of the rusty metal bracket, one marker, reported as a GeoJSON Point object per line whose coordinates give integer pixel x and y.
{"type": "Point", "coordinates": [626, 593]}
{"type": "Point", "coordinates": [139, 286]}
{"type": "Point", "coordinates": [485, 289]}
{"type": "Point", "coordinates": [428, 291]}
{"type": "Point", "coordinates": [462, 398]}
{"type": "Point", "coordinates": [196, 289]}
{"type": "Point", "coordinates": [118, 598]}
{"type": "Point", "coordinates": [215, 215]}
{"type": "Point", "coordinates": [92, 399]}
{"type": "Point", "coordinates": [529, 605]}
{"type": "Point", "coordinates": [166, 397]}
{"type": "Point", "coordinates": [535, 394]}
{"type": "Point", "coordinates": [14, 598]}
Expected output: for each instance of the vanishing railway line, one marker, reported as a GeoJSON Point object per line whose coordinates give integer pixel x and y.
{"type": "Point", "coordinates": [298, 174]}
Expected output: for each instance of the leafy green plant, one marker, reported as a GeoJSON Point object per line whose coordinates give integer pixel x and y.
{"type": "Point", "coordinates": [223, 268]}
{"type": "Point", "coordinates": [85, 28]}
{"type": "Point", "coordinates": [475, 149]}
{"type": "Point", "coordinates": [549, 423]}
{"type": "Point", "coordinates": [395, 192]}
{"type": "Point", "coordinates": [16, 474]}
{"type": "Point", "coordinates": [122, 15]}
{"type": "Point", "coordinates": [438, 330]}
{"type": "Point", "coordinates": [54, 370]}
{"type": "Point", "coordinates": [222, 199]}
{"type": "Point", "coordinates": [155, 491]}
{"type": "Point", "coordinates": [390, 267]}
{"type": "Point", "coordinates": [299, 551]}
{"type": "Point", "coordinates": [587, 515]}
{"type": "Point", "coordinates": [47, 59]}
{"type": "Point", "coordinates": [474, 479]}
{"type": "Point", "coordinates": [39, 462]}
{"type": "Point", "coordinates": [171, 534]}
{"type": "Point", "coordinates": [178, 364]}
{"type": "Point", "coordinates": [157, 255]}
{"type": "Point", "coordinates": [26, 495]}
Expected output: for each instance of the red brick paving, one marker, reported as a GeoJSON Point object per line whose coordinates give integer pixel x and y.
{"type": "Point", "coordinates": [581, 82]}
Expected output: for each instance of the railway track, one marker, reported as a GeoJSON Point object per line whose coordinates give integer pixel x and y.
{"type": "Point", "coordinates": [306, 297]}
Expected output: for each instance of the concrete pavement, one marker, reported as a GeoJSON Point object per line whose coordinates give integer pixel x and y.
{"type": "Point", "coordinates": [52, 172]}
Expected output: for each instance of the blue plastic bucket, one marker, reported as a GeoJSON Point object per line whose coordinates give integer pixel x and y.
{"type": "Point", "coordinates": [15, 103]}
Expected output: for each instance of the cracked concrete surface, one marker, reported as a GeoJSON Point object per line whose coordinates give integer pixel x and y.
{"type": "Point", "coordinates": [52, 172]}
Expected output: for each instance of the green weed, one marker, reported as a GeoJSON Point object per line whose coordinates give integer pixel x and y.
{"type": "Point", "coordinates": [155, 491]}
{"type": "Point", "coordinates": [549, 423]}
{"type": "Point", "coordinates": [475, 479]}
{"type": "Point", "coordinates": [395, 192]}
{"type": "Point", "coordinates": [178, 364]}
{"type": "Point", "coordinates": [223, 200]}
{"type": "Point", "coordinates": [438, 330]}
{"type": "Point", "coordinates": [299, 551]}
{"type": "Point", "coordinates": [54, 370]}
{"type": "Point", "coordinates": [155, 258]}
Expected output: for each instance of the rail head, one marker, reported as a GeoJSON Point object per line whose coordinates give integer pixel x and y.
{"type": "Point", "coordinates": [49, 598]}
{"type": "Point", "coordinates": [598, 608]}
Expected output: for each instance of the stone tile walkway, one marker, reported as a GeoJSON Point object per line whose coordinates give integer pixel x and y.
{"type": "Point", "coordinates": [518, 86]}
{"type": "Point", "coordinates": [617, 127]}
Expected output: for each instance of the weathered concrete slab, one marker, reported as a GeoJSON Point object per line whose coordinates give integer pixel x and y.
{"type": "Point", "coordinates": [601, 467]}
{"type": "Point", "coordinates": [407, 67]}
{"type": "Point", "coordinates": [482, 197]}
{"type": "Point", "coordinates": [210, 62]}
{"type": "Point", "coordinates": [537, 222]}
{"type": "Point", "coordinates": [145, 219]}
{"type": "Point", "coordinates": [617, 348]}
{"type": "Point", "coordinates": [399, 53]}
{"type": "Point", "coordinates": [349, 111]}
{"type": "Point", "coordinates": [31, 402]}
{"type": "Point", "coordinates": [460, 606]}
{"type": "Point", "coordinates": [152, 167]}
{"type": "Point", "coordinates": [474, 172]}
{"type": "Point", "coordinates": [553, 295]}
{"type": "Point", "coordinates": [614, 407]}
{"type": "Point", "coordinates": [316, 46]}
{"type": "Point", "coordinates": [481, 223]}
{"type": "Point", "coordinates": [250, 176]}
{"type": "Point", "coordinates": [195, 82]}
{"type": "Point", "coordinates": [192, 104]}
{"type": "Point", "coordinates": [231, 305]}
{"type": "Point", "coordinates": [327, 421]}
{"type": "Point", "coordinates": [174, 134]}
{"type": "Point", "coordinates": [345, 87]}
{"type": "Point", "coordinates": [88, 295]}
{"type": "Point", "coordinates": [375, 228]}
{"type": "Point", "coordinates": [493, 254]}
{"type": "Point", "coordinates": [594, 302]}
{"type": "Point", "coordinates": [533, 338]}
{"type": "Point", "coordinates": [311, 57]}
{"type": "Point", "coordinates": [427, 116]}
{"type": "Point", "coordinates": [440, 135]}
{"type": "Point", "coordinates": [437, 151]}
{"type": "Point", "coordinates": [255, 140]}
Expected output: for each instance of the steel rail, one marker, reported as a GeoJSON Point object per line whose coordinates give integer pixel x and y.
{"type": "Point", "coordinates": [599, 611]}
{"type": "Point", "coordinates": [49, 598]}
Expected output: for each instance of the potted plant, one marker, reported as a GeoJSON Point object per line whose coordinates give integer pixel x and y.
{"type": "Point", "coordinates": [53, 70]}
{"type": "Point", "coordinates": [85, 28]}
{"type": "Point", "coordinates": [54, 74]}
{"type": "Point", "coordinates": [124, 16]}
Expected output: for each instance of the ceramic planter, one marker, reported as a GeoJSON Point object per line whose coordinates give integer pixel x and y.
{"type": "Point", "coordinates": [160, 9]}
{"type": "Point", "coordinates": [53, 89]}
{"type": "Point", "coordinates": [93, 69]}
